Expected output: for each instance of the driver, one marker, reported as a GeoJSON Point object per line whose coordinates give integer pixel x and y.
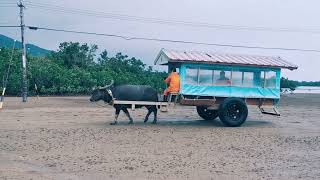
{"type": "Point", "coordinates": [173, 81]}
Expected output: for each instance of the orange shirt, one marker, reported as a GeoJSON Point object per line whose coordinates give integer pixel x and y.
{"type": "Point", "coordinates": [174, 82]}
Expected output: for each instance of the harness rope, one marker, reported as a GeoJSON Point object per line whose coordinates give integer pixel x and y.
{"type": "Point", "coordinates": [112, 98]}
{"type": "Point", "coordinates": [100, 104]}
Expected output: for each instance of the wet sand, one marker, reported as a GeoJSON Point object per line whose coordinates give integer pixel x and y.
{"type": "Point", "coordinates": [70, 138]}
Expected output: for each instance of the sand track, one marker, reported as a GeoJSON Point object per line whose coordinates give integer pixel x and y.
{"type": "Point", "coordinates": [70, 138]}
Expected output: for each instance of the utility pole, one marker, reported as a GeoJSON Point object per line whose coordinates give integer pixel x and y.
{"type": "Point", "coordinates": [24, 58]}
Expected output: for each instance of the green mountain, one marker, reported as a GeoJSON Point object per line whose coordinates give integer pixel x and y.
{"type": "Point", "coordinates": [32, 49]}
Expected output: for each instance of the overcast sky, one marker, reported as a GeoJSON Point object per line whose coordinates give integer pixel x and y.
{"type": "Point", "coordinates": [292, 14]}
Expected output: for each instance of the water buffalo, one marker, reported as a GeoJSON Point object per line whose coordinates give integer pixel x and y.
{"type": "Point", "coordinates": [127, 93]}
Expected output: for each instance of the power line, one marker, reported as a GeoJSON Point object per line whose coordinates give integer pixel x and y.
{"type": "Point", "coordinates": [8, 26]}
{"type": "Point", "coordinates": [6, 77]}
{"type": "Point", "coordinates": [80, 32]}
{"type": "Point", "coordinates": [171, 40]}
{"type": "Point", "coordinates": [61, 9]}
{"type": "Point", "coordinates": [6, 3]}
{"type": "Point", "coordinates": [166, 40]}
{"type": "Point", "coordinates": [7, 6]}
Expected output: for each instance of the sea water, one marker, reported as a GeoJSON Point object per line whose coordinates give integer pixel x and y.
{"type": "Point", "coordinates": [307, 90]}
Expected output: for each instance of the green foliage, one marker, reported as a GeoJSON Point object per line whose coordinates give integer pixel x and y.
{"type": "Point", "coordinates": [73, 54]}
{"type": "Point", "coordinates": [311, 83]}
{"type": "Point", "coordinates": [286, 83]}
{"type": "Point", "coordinates": [73, 69]}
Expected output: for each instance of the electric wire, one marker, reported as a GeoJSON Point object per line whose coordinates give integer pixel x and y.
{"type": "Point", "coordinates": [166, 40]}
{"type": "Point", "coordinates": [7, 6]}
{"type": "Point", "coordinates": [74, 11]}
{"type": "Point", "coordinates": [9, 26]}
{"type": "Point", "coordinates": [6, 76]}
{"type": "Point", "coordinates": [171, 40]}
{"type": "Point", "coordinates": [154, 20]}
{"type": "Point", "coordinates": [7, 3]}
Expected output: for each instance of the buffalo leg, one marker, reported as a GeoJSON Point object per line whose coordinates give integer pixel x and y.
{"type": "Point", "coordinates": [155, 111]}
{"type": "Point", "coordinates": [125, 110]}
{"type": "Point", "coordinates": [148, 114]}
{"type": "Point", "coordinates": [116, 117]}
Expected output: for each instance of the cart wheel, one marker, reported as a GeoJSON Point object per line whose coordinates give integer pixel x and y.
{"type": "Point", "coordinates": [233, 112]}
{"type": "Point", "coordinates": [207, 114]}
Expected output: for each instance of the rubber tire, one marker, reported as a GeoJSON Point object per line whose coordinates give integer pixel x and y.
{"type": "Point", "coordinates": [242, 108]}
{"type": "Point", "coordinates": [207, 114]}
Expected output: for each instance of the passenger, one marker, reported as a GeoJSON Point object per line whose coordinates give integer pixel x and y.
{"type": "Point", "coordinates": [223, 80]}
{"type": "Point", "coordinates": [173, 81]}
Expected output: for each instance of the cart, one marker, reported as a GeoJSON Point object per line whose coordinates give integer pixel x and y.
{"type": "Point", "coordinates": [223, 85]}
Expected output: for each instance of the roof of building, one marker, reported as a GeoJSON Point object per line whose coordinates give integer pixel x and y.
{"type": "Point", "coordinates": [165, 56]}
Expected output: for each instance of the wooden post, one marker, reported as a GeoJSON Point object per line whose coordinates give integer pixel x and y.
{"type": "Point", "coordinates": [2, 97]}
{"type": "Point", "coordinates": [36, 88]}
{"type": "Point", "coordinates": [24, 56]}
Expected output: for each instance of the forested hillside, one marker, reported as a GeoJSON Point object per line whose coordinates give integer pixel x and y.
{"type": "Point", "coordinates": [8, 42]}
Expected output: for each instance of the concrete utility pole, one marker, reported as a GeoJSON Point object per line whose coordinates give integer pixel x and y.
{"type": "Point", "coordinates": [24, 58]}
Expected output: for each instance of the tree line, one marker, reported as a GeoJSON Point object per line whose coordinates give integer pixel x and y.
{"type": "Point", "coordinates": [74, 69]}
{"type": "Point", "coordinates": [292, 85]}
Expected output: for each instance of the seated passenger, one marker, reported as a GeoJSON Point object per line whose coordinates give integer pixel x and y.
{"type": "Point", "coordinates": [223, 80]}
{"type": "Point", "coordinates": [173, 81]}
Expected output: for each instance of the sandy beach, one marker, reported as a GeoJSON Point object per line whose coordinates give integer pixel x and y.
{"type": "Point", "coordinates": [70, 138]}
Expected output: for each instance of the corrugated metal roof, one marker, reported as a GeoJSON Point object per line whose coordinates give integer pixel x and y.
{"type": "Point", "coordinates": [230, 59]}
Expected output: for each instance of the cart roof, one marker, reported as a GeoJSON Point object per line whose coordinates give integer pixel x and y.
{"type": "Point", "coordinates": [166, 56]}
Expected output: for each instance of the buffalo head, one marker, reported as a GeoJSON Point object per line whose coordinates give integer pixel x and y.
{"type": "Point", "coordinates": [102, 93]}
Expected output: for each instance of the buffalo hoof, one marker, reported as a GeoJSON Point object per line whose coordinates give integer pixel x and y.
{"type": "Point", "coordinates": [130, 122]}
{"type": "Point", "coordinates": [146, 120]}
{"type": "Point", "coordinates": [154, 122]}
{"type": "Point", "coordinates": [114, 123]}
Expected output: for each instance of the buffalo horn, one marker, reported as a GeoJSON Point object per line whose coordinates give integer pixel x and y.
{"type": "Point", "coordinates": [105, 87]}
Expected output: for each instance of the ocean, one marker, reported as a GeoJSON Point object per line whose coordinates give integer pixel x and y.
{"type": "Point", "coordinates": [307, 90]}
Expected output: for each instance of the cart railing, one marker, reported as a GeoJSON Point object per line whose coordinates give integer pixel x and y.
{"type": "Point", "coordinates": [160, 105]}
{"type": "Point", "coordinates": [264, 105]}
